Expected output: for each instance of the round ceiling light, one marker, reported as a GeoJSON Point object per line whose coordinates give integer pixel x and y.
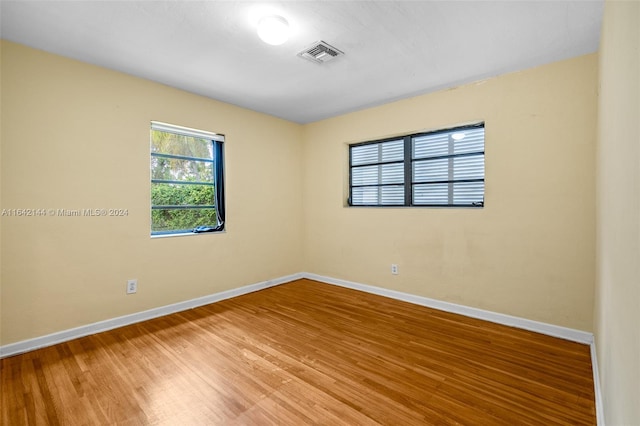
{"type": "Point", "coordinates": [458, 136]}
{"type": "Point", "coordinates": [273, 29]}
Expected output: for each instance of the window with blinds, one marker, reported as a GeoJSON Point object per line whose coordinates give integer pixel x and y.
{"type": "Point", "coordinates": [444, 168]}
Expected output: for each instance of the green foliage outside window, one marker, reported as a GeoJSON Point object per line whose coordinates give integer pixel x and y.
{"type": "Point", "coordinates": [178, 219]}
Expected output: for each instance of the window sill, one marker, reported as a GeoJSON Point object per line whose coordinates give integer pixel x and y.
{"type": "Point", "coordinates": [185, 234]}
{"type": "Point", "coordinates": [389, 206]}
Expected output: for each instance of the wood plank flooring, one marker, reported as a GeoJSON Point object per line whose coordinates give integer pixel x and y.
{"type": "Point", "coordinates": [303, 353]}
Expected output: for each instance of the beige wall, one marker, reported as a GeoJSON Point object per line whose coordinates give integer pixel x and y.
{"type": "Point", "coordinates": [530, 252]}
{"type": "Point", "coordinates": [76, 136]}
{"type": "Point", "coordinates": [617, 319]}
{"type": "Point", "coordinates": [1, 203]}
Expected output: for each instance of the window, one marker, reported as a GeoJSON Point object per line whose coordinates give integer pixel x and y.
{"type": "Point", "coordinates": [444, 168]}
{"type": "Point", "coordinates": [187, 180]}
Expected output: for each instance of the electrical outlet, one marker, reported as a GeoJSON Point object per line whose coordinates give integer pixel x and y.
{"type": "Point", "coordinates": [394, 269]}
{"type": "Point", "coordinates": [132, 286]}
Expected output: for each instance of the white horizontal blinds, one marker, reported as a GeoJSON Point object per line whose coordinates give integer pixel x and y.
{"type": "Point", "coordinates": [186, 131]}
{"type": "Point", "coordinates": [473, 140]}
{"type": "Point", "coordinates": [448, 167]}
{"type": "Point", "coordinates": [379, 152]}
{"type": "Point", "coordinates": [377, 173]}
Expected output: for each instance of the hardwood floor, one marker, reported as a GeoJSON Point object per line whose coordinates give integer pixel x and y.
{"type": "Point", "coordinates": [303, 353]}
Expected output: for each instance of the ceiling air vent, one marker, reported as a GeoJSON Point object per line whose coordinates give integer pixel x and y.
{"type": "Point", "coordinates": [320, 52]}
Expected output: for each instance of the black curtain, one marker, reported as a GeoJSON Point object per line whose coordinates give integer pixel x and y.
{"type": "Point", "coordinates": [218, 180]}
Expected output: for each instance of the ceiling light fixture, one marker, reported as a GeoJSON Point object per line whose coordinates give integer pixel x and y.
{"type": "Point", "coordinates": [273, 29]}
{"type": "Point", "coordinates": [458, 136]}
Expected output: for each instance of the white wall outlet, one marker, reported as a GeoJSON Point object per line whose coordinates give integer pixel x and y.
{"type": "Point", "coordinates": [394, 269]}
{"type": "Point", "coordinates": [132, 286]}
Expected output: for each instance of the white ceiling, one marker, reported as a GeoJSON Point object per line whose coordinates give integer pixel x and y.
{"type": "Point", "coordinates": [393, 49]}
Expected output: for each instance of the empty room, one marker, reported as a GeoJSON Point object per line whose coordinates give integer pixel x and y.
{"type": "Point", "coordinates": [320, 212]}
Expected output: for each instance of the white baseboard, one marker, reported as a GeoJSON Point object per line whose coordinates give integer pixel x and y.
{"type": "Point", "coordinates": [526, 324]}
{"type": "Point", "coordinates": [63, 336]}
{"type": "Point", "coordinates": [97, 327]}
{"type": "Point", "coordinates": [596, 386]}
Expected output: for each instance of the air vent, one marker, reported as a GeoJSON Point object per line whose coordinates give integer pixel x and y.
{"type": "Point", "coordinates": [320, 52]}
